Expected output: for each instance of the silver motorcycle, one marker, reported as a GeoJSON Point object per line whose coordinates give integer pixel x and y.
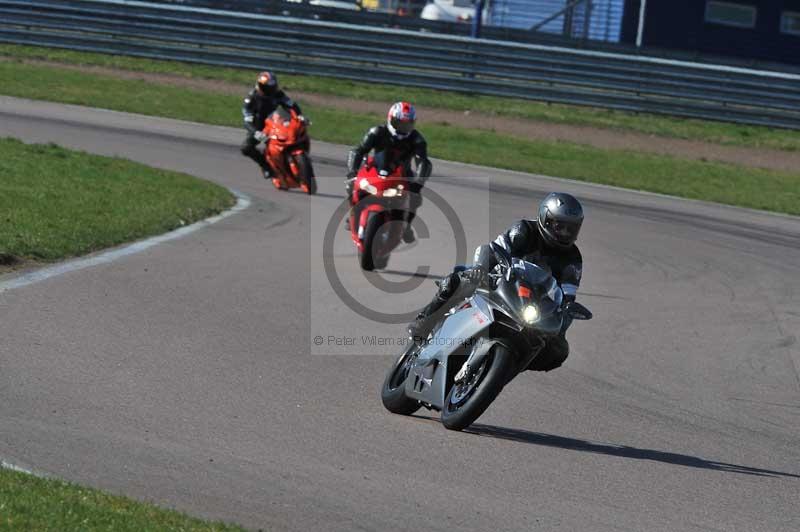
{"type": "Point", "coordinates": [481, 343]}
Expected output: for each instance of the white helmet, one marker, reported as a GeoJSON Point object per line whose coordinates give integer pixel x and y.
{"type": "Point", "coordinates": [401, 119]}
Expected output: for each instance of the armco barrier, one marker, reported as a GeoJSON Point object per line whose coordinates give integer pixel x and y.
{"type": "Point", "coordinates": [407, 58]}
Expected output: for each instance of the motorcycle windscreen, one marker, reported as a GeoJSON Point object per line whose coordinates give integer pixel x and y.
{"type": "Point", "coordinates": [530, 284]}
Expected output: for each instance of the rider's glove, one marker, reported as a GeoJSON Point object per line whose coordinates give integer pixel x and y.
{"type": "Point", "coordinates": [260, 136]}
{"type": "Point", "coordinates": [303, 119]}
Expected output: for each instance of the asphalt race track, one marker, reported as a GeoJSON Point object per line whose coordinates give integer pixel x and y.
{"type": "Point", "coordinates": [188, 374]}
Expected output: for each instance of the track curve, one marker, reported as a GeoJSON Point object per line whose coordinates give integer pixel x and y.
{"type": "Point", "coordinates": [184, 374]}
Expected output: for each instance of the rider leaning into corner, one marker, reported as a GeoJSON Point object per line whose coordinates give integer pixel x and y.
{"type": "Point", "coordinates": [548, 241]}
{"type": "Point", "coordinates": [400, 142]}
{"type": "Point", "coordinates": [259, 103]}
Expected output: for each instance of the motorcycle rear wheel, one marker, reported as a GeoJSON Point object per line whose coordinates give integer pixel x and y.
{"type": "Point", "coordinates": [466, 401]}
{"type": "Point", "coordinates": [393, 393]}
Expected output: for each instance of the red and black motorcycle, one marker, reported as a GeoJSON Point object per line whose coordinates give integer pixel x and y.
{"type": "Point", "coordinates": [380, 200]}
{"type": "Point", "coordinates": [287, 151]}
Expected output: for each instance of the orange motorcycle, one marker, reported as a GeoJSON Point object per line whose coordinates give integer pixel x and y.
{"type": "Point", "coordinates": [287, 151]}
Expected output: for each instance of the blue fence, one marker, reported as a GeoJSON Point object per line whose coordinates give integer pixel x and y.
{"type": "Point", "coordinates": [561, 17]}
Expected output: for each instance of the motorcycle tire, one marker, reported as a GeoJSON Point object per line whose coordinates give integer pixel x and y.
{"type": "Point", "coordinates": [366, 258]}
{"type": "Point", "coordinates": [380, 263]}
{"type": "Point", "coordinates": [493, 376]}
{"type": "Point", "coordinates": [305, 173]}
{"type": "Point", "coordinates": [393, 390]}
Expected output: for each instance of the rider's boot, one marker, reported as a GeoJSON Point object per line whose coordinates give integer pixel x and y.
{"type": "Point", "coordinates": [552, 356]}
{"type": "Point", "coordinates": [408, 234]}
{"type": "Point", "coordinates": [419, 329]}
{"type": "Point", "coordinates": [408, 231]}
{"type": "Point", "coordinates": [349, 215]}
{"type": "Point", "coordinates": [348, 189]}
{"type": "Point", "coordinates": [554, 353]}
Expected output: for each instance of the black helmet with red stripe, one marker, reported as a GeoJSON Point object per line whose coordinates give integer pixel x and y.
{"type": "Point", "coordinates": [401, 119]}
{"type": "Point", "coordinates": [267, 83]}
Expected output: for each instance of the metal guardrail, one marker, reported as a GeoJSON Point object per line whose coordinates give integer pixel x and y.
{"type": "Point", "coordinates": [308, 10]}
{"type": "Point", "coordinates": [407, 58]}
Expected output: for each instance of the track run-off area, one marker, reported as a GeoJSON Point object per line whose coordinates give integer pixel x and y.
{"type": "Point", "coordinates": [190, 374]}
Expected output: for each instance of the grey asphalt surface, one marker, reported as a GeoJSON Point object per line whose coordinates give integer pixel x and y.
{"type": "Point", "coordinates": [187, 374]}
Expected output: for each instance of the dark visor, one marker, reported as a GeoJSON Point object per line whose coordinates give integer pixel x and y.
{"type": "Point", "coordinates": [565, 231]}
{"type": "Point", "coordinates": [404, 127]}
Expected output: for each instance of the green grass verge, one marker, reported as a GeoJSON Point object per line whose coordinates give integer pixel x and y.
{"type": "Point", "coordinates": [716, 132]}
{"type": "Point", "coordinates": [56, 203]}
{"type": "Point", "coordinates": [723, 183]}
{"type": "Point", "coordinates": [31, 503]}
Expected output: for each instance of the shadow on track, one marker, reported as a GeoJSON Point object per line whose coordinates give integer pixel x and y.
{"type": "Point", "coordinates": [623, 451]}
{"type": "Point", "coordinates": [339, 197]}
{"type": "Point", "coordinates": [604, 296]}
{"type": "Point", "coordinates": [411, 274]}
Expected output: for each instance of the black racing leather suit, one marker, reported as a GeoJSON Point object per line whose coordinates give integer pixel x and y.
{"type": "Point", "coordinates": [255, 110]}
{"type": "Point", "coordinates": [523, 240]}
{"type": "Point", "coordinates": [393, 152]}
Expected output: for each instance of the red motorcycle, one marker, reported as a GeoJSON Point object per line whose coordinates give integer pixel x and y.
{"type": "Point", "coordinates": [287, 151]}
{"type": "Point", "coordinates": [380, 200]}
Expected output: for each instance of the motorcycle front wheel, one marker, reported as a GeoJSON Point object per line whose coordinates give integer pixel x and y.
{"type": "Point", "coordinates": [367, 257]}
{"type": "Point", "coordinates": [470, 397]}
{"type": "Point", "coordinates": [393, 390]}
{"type": "Point", "coordinates": [305, 173]}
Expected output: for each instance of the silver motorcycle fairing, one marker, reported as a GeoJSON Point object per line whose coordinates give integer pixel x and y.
{"type": "Point", "coordinates": [462, 332]}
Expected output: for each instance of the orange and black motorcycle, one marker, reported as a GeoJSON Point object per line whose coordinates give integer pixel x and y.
{"type": "Point", "coordinates": [287, 151]}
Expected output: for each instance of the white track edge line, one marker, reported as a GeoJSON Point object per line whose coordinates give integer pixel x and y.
{"type": "Point", "coordinates": [18, 469]}
{"type": "Point", "coordinates": [41, 274]}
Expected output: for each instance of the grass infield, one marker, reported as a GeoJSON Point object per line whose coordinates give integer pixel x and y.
{"type": "Point", "coordinates": [57, 203]}
{"type": "Point", "coordinates": [31, 503]}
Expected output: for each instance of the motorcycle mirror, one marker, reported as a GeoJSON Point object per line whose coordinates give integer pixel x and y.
{"type": "Point", "coordinates": [578, 311]}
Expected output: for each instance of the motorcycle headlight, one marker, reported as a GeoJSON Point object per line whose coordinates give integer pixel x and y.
{"type": "Point", "coordinates": [365, 185]}
{"type": "Point", "coordinates": [392, 192]}
{"type": "Point", "coordinates": [530, 313]}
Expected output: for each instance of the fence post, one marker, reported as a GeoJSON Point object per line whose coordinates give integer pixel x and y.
{"type": "Point", "coordinates": [640, 27]}
{"type": "Point", "coordinates": [587, 20]}
{"type": "Point", "coordinates": [477, 20]}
